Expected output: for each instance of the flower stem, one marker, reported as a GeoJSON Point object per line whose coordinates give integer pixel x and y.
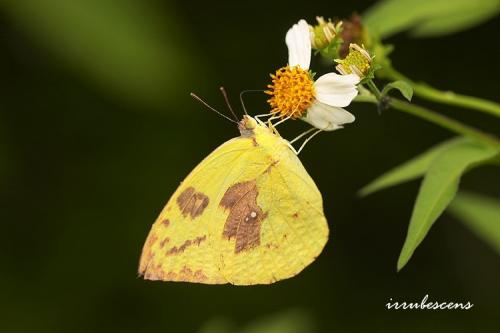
{"type": "Point", "coordinates": [445, 122]}
{"type": "Point", "coordinates": [374, 89]}
{"type": "Point", "coordinates": [445, 97]}
{"type": "Point", "coordinates": [433, 117]}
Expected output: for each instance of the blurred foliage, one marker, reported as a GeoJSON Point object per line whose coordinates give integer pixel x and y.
{"type": "Point", "coordinates": [481, 214]}
{"type": "Point", "coordinates": [442, 167]}
{"type": "Point", "coordinates": [291, 321]}
{"type": "Point", "coordinates": [426, 18]}
{"type": "Point", "coordinates": [438, 188]}
{"type": "Point", "coordinates": [412, 169]}
{"type": "Point", "coordinates": [124, 46]}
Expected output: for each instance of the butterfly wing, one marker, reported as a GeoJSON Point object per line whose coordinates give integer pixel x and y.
{"type": "Point", "coordinates": [248, 214]}
{"type": "Point", "coordinates": [179, 246]}
{"type": "Point", "coordinates": [274, 223]}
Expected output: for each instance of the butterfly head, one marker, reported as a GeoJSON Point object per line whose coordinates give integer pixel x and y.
{"type": "Point", "coordinates": [247, 125]}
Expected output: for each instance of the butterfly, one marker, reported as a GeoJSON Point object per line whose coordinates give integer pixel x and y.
{"type": "Point", "coordinates": [248, 214]}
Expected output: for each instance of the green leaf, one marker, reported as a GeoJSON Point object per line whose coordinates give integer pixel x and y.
{"type": "Point", "coordinates": [412, 169]}
{"type": "Point", "coordinates": [404, 88]}
{"type": "Point", "coordinates": [481, 214]}
{"type": "Point", "coordinates": [126, 48]}
{"type": "Point", "coordinates": [428, 17]}
{"type": "Point", "coordinates": [457, 20]}
{"type": "Point", "coordinates": [438, 188]}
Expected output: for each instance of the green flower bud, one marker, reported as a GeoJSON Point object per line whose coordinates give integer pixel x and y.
{"type": "Point", "coordinates": [357, 61]}
{"type": "Point", "coordinates": [323, 33]}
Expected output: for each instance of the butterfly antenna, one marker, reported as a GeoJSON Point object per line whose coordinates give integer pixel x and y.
{"type": "Point", "coordinates": [224, 93]}
{"type": "Point", "coordinates": [211, 108]}
{"type": "Point", "coordinates": [241, 98]}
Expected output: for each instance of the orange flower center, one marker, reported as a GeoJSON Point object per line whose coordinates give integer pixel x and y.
{"type": "Point", "coordinates": [292, 92]}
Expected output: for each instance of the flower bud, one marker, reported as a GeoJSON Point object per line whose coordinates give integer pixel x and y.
{"type": "Point", "coordinates": [358, 61]}
{"type": "Point", "coordinates": [323, 33]}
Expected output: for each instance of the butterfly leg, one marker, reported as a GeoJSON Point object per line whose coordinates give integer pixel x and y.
{"type": "Point", "coordinates": [257, 117]}
{"type": "Point", "coordinates": [272, 126]}
{"type": "Point", "coordinates": [316, 131]}
{"type": "Point", "coordinates": [281, 121]}
{"type": "Point", "coordinates": [308, 139]}
{"type": "Point", "coordinates": [301, 135]}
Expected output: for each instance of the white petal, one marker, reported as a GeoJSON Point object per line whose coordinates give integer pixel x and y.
{"type": "Point", "coordinates": [336, 90]}
{"type": "Point", "coordinates": [298, 40]}
{"type": "Point", "coordinates": [327, 118]}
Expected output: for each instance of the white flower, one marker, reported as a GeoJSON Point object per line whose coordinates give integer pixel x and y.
{"type": "Point", "coordinates": [331, 92]}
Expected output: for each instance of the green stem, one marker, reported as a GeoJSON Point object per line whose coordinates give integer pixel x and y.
{"type": "Point", "coordinates": [366, 99]}
{"type": "Point", "coordinates": [443, 121]}
{"type": "Point", "coordinates": [374, 89]}
{"type": "Point", "coordinates": [445, 97]}
{"type": "Point", "coordinates": [434, 117]}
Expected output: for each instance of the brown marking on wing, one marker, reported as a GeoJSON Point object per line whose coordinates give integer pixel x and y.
{"type": "Point", "coordinates": [176, 250]}
{"type": "Point", "coordinates": [184, 197]}
{"type": "Point", "coordinates": [192, 203]}
{"type": "Point", "coordinates": [254, 141]}
{"type": "Point", "coordinates": [186, 271]}
{"type": "Point", "coordinates": [164, 241]}
{"type": "Point", "coordinates": [245, 216]}
{"type": "Point", "coordinates": [147, 252]}
{"type": "Point", "coordinates": [295, 215]}
{"type": "Point", "coordinates": [154, 273]}
{"type": "Point", "coordinates": [199, 276]}
{"type": "Point", "coordinates": [165, 222]}
{"type": "Point", "coordinates": [199, 240]}
{"type": "Point", "coordinates": [268, 170]}
{"type": "Point", "coordinates": [190, 242]}
{"type": "Point", "coordinates": [185, 274]}
{"type": "Point", "coordinates": [152, 238]}
{"type": "Point", "coordinates": [159, 274]}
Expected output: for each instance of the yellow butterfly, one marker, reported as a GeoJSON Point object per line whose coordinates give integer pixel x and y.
{"type": "Point", "coordinates": [249, 213]}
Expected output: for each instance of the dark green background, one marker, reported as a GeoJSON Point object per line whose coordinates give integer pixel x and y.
{"type": "Point", "coordinates": [84, 173]}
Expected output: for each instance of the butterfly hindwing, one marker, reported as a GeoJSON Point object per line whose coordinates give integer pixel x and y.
{"type": "Point", "coordinates": [283, 230]}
